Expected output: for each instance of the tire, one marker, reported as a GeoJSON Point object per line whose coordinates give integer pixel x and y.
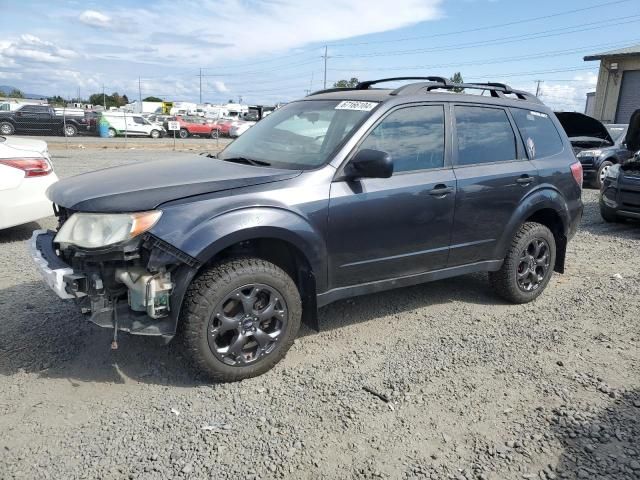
{"type": "Point", "coordinates": [214, 318]}
{"type": "Point", "coordinates": [154, 134]}
{"type": "Point", "coordinates": [112, 133]}
{"type": "Point", "coordinates": [184, 133]}
{"type": "Point", "coordinates": [69, 131]}
{"type": "Point", "coordinates": [510, 282]}
{"type": "Point", "coordinates": [6, 128]}
{"type": "Point", "coordinates": [214, 133]}
{"type": "Point", "coordinates": [602, 171]}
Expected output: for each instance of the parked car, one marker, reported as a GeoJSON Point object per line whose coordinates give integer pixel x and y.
{"type": "Point", "coordinates": [346, 192]}
{"type": "Point", "coordinates": [620, 193]}
{"type": "Point", "coordinates": [122, 123]}
{"type": "Point", "coordinates": [190, 125]}
{"type": "Point", "coordinates": [223, 126]}
{"type": "Point", "coordinates": [238, 128]}
{"type": "Point", "coordinates": [41, 119]}
{"type": "Point", "coordinates": [26, 172]}
{"type": "Point", "coordinates": [594, 145]}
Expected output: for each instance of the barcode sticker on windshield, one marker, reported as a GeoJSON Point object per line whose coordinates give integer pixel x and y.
{"type": "Point", "coordinates": [355, 105]}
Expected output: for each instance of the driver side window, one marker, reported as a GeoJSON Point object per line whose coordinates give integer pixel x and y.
{"type": "Point", "coordinates": [413, 136]}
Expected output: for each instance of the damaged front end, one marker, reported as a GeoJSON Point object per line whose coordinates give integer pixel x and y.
{"type": "Point", "coordinates": [135, 284]}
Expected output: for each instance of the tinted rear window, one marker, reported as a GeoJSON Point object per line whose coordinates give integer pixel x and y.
{"type": "Point", "coordinates": [539, 134]}
{"type": "Point", "coordinates": [484, 135]}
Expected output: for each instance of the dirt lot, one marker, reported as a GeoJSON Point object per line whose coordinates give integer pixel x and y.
{"type": "Point", "coordinates": [473, 388]}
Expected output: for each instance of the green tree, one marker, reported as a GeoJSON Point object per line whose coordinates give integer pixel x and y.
{"type": "Point", "coordinates": [56, 100]}
{"type": "Point", "coordinates": [457, 78]}
{"type": "Point", "coordinates": [346, 83]}
{"type": "Point", "coordinates": [152, 99]}
{"type": "Point", "coordinates": [15, 93]}
{"type": "Point", "coordinates": [2, 94]}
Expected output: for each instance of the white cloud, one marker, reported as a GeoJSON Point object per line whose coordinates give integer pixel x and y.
{"type": "Point", "coordinates": [94, 18]}
{"type": "Point", "coordinates": [29, 48]}
{"type": "Point", "coordinates": [220, 87]}
{"type": "Point", "coordinates": [569, 95]}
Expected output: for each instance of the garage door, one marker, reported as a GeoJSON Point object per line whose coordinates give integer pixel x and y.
{"type": "Point", "coordinates": [629, 99]}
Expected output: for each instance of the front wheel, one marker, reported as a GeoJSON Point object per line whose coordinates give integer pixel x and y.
{"type": "Point", "coordinates": [155, 134]}
{"type": "Point", "coordinates": [528, 265]}
{"type": "Point", "coordinates": [6, 128]}
{"type": "Point", "coordinates": [112, 133]}
{"type": "Point", "coordinates": [240, 318]}
{"type": "Point", "coordinates": [214, 133]}
{"type": "Point", "coordinates": [184, 133]}
{"type": "Point", "coordinates": [602, 173]}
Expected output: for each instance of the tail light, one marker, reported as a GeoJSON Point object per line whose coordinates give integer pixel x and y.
{"type": "Point", "coordinates": [576, 171]}
{"type": "Point", "coordinates": [32, 167]}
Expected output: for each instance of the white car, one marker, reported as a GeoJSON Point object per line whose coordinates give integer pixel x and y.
{"type": "Point", "coordinates": [238, 128]}
{"type": "Point", "coordinates": [26, 172]}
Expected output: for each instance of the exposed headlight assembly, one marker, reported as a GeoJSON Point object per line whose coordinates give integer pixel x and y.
{"type": "Point", "coordinates": [95, 230]}
{"type": "Point", "coordinates": [612, 171]}
{"type": "Point", "coordinates": [589, 153]}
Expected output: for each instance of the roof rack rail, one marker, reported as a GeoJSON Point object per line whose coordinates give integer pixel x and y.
{"type": "Point", "coordinates": [366, 84]}
{"type": "Point", "coordinates": [497, 90]}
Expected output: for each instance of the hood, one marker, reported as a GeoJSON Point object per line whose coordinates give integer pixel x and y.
{"type": "Point", "coordinates": [580, 127]}
{"type": "Point", "coordinates": [12, 146]}
{"type": "Point", "coordinates": [146, 185]}
{"type": "Point", "coordinates": [633, 132]}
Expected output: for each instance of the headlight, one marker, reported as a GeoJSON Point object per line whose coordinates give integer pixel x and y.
{"type": "Point", "coordinates": [94, 230]}
{"type": "Point", "coordinates": [589, 153]}
{"type": "Point", "coordinates": [612, 171]}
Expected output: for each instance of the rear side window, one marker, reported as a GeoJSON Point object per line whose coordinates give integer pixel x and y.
{"type": "Point", "coordinates": [414, 137]}
{"type": "Point", "coordinates": [539, 134]}
{"type": "Point", "coordinates": [484, 135]}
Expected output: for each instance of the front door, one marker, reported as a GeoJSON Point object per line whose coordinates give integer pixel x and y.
{"type": "Point", "coordinates": [382, 228]}
{"type": "Point", "coordinates": [493, 175]}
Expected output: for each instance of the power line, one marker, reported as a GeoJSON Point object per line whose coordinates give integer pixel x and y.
{"type": "Point", "coordinates": [547, 54]}
{"type": "Point", "coordinates": [501, 40]}
{"type": "Point", "coordinates": [486, 27]}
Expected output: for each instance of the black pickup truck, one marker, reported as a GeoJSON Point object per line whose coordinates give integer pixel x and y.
{"type": "Point", "coordinates": [41, 119]}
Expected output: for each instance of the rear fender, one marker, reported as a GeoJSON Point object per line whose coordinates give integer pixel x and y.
{"type": "Point", "coordinates": [543, 198]}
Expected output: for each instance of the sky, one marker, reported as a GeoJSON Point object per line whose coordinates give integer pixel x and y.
{"type": "Point", "coordinates": [270, 51]}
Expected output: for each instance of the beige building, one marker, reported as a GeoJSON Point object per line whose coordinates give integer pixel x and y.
{"type": "Point", "coordinates": [618, 89]}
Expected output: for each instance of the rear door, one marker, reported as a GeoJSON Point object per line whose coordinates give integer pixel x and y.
{"type": "Point", "coordinates": [493, 175]}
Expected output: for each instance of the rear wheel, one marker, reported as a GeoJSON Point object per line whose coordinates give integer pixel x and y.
{"type": "Point", "coordinates": [6, 128]}
{"type": "Point", "coordinates": [184, 133]}
{"type": "Point", "coordinates": [70, 131]}
{"type": "Point", "coordinates": [528, 266]}
{"type": "Point", "coordinates": [155, 134]}
{"type": "Point", "coordinates": [214, 133]}
{"type": "Point", "coordinates": [240, 318]}
{"type": "Point", "coordinates": [112, 132]}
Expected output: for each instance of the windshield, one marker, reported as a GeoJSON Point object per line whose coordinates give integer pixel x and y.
{"type": "Point", "coordinates": [300, 135]}
{"type": "Point", "coordinates": [617, 132]}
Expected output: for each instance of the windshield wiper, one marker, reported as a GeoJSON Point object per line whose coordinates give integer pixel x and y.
{"type": "Point", "coordinates": [247, 161]}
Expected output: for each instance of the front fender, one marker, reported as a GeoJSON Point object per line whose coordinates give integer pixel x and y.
{"type": "Point", "coordinates": [544, 197]}
{"type": "Point", "coordinates": [213, 235]}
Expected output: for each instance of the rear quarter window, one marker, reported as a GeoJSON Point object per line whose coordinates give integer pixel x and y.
{"type": "Point", "coordinates": [539, 134]}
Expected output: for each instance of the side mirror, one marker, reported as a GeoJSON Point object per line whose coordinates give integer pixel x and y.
{"type": "Point", "coordinates": [369, 163]}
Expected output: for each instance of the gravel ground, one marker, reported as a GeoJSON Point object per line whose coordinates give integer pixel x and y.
{"type": "Point", "coordinates": [465, 386]}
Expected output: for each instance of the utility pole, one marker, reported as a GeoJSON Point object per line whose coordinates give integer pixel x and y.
{"type": "Point", "coordinates": [140, 94]}
{"type": "Point", "coordinates": [538, 87]}
{"type": "Point", "coordinates": [325, 66]}
{"type": "Point", "coordinates": [104, 101]}
{"type": "Point", "coordinates": [200, 86]}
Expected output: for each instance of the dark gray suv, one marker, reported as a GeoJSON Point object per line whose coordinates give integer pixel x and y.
{"type": "Point", "coordinates": [345, 192]}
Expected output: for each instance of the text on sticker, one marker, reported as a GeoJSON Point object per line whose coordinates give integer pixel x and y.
{"type": "Point", "coordinates": [355, 105]}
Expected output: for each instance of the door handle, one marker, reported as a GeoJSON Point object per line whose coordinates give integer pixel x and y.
{"type": "Point", "coordinates": [525, 180]}
{"type": "Point", "coordinates": [440, 190]}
